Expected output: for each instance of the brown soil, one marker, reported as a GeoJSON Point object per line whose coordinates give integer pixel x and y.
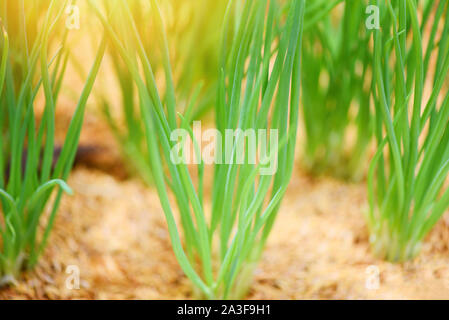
{"type": "Point", "coordinates": [114, 231]}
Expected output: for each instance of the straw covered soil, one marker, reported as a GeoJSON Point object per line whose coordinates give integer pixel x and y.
{"type": "Point", "coordinates": [113, 231]}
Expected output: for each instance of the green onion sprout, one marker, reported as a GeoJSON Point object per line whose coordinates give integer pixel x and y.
{"type": "Point", "coordinates": [407, 191]}
{"type": "Point", "coordinates": [259, 89]}
{"type": "Point", "coordinates": [28, 179]}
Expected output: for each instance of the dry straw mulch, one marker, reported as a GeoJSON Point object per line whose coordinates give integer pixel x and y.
{"type": "Point", "coordinates": [115, 232]}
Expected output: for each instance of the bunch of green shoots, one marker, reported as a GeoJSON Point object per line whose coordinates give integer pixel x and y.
{"type": "Point", "coordinates": [194, 32]}
{"type": "Point", "coordinates": [259, 89]}
{"type": "Point", "coordinates": [336, 88]}
{"type": "Point", "coordinates": [407, 189]}
{"type": "Point", "coordinates": [28, 171]}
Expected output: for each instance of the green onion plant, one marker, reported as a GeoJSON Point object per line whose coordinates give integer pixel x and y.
{"type": "Point", "coordinates": [407, 178]}
{"type": "Point", "coordinates": [259, 88]}
{"type": "Point", "coordinates": [336, 88]}
{"type": "Point", "coordinates": [29, 172]}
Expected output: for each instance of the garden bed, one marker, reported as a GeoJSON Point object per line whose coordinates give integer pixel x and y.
{"type": "Point", "coordinates": [114, 231]}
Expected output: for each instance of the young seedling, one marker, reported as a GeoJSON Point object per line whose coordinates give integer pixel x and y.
{"type": "Point", "coordinates": [28, 179]}
{"type": "Point", "coordinates": [336, 88]}
{"type": "Point", "coordinates": [259, 89]}
{"type": "Point", "coordinates": [407, 191]}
